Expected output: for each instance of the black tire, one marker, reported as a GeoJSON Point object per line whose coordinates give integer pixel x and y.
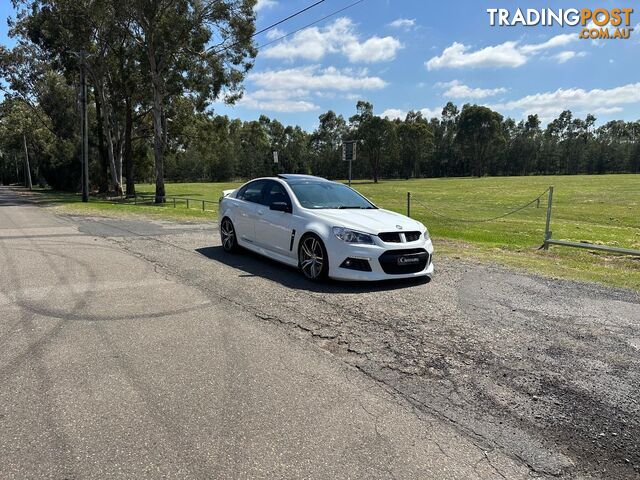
{"type": "Point", "coordinates": [313, 260]}
{"type": "Point", "coordinates": [228, 236]}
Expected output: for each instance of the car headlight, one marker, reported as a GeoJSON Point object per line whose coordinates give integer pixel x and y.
{"type": "Point", "coordinates": [351, 236]}
{"type": "Point", "coordinates": [425, 231]}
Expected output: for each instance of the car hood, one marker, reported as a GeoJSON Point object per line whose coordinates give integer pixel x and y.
{"type": "Point", "coordinates": [368, 221]}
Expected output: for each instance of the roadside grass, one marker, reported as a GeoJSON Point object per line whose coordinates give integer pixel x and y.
{"type": "Point", "coordinates": [596, 209]}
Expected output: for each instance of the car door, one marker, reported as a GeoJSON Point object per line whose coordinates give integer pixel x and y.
{"type": "Point", "coordinates": [273, 228]}
{"type": "Point", "coordinates": [250, 198]}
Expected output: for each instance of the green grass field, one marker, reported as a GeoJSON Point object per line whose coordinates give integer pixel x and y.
{"type": "Point", "coordinates": [595, 209]}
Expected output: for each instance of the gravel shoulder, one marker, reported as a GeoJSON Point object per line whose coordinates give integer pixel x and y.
{"type": "Point", "coordinates": [545, 370]}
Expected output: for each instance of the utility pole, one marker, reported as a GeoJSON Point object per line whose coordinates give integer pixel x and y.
{"type": "Point", "coordinates": [84, 128]}
{"type": "Point", "coordinates": [27, 170]}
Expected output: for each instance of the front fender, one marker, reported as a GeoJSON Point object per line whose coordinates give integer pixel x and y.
{"type": "Point", "coordinates": [318, 228]}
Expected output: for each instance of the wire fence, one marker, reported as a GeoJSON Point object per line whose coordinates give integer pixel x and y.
{"type": "Point", "coordinates": [412, 201]}
{"type": "Point", "coordinates": [170, 201]}
{"type": "Point", "coordinates": [547, 240]}
{"type": "Point", "coordinates": [536, 200]}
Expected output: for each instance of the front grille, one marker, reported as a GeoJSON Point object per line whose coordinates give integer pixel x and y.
{"type": "Point", "coordinates": [395, 237]}
{"type": "Point", "coordinates": [412, 236]}
{"type": "Point", "coordinates": [414, 260]}
{"type": "Point", "coordinates": [390, 237]}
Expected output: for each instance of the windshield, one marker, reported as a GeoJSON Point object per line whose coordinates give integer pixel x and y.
{"type": "Point", "coordinates": [328, 195]}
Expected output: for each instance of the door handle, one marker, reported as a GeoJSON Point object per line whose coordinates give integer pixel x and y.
{"type": "Point", "coordinates": [260, 212]}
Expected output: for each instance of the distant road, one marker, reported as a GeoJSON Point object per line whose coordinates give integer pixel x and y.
{"type": "Point", "coordinates": [138, 349]}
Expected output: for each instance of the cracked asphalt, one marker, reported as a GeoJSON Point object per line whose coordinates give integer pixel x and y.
{"type": "Point", "coordinates": [133, 348]}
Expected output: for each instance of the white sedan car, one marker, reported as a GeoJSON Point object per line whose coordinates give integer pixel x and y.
{"type": "Point", "coordinates": [324, 228]}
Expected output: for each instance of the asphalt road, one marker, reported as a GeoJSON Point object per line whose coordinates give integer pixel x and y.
{"type": "Point", "coordinates": [138, 349]}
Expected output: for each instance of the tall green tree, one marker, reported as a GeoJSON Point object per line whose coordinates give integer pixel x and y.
{"type": "Point", "coordinates": [175, 36]}
{"type": "Point", "coordinates": [415, 140]}
{"type": "Point", "coordinates": [326, 145]}
{"type": "Point", "coordinates": [374, 134]}
{"type": "Point", "coordinates": [478, 134]}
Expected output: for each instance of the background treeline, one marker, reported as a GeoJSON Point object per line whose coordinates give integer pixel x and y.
{"type": "Point", "coordinates": [153, 75]}
{"type": "Point", "coordinates": [200, 146]}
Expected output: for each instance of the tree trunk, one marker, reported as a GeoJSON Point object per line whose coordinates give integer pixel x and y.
{"type": "Point", "coordinates": [106, 123]}
{"type": "Point", "coordinates": [103, 179]}
{"type": "Point", "coordinates": [157, 113]}
{"type": "Point", "coordinates": [27, 169]}
{"type": "Point", "coordinates": [128, 149]}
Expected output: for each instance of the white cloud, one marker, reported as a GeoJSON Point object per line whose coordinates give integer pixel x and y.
{"type": "Point", "coordinates": [456, 89]}
{"type": "Point", "coordinates": [373, 50]}
{"type": "Point", "coordinates": [290, 100]}
{"type": "Point", "coordinates": [354, 97]}
{"type": "Point", "coordinates": [607, 110]}
{"type": "Point", "coordinates": [549, 104]}
{"type": "Point", "coordinates": [281, 106]}
{"type": "Point", "coordinates": [293, 89]}
{"type": "Point", "coordinates": [262, 4]}
{"type": "Point", "coordinates": [507, 54]}
{"type": "Point", "coordinates": [393, 113]}
{"type": "Point", "coordinates": [275, 33]}
{"type": "Point", "coordinates": [396, 113]}
{"type": "Point", "coordinates": [553, 42]}
{"type": "Point", "coordinates": [405, 23]}
{"type": "Point", "coordinates": [567, 55]}
{"type": "Point", "coordinates": [267, 94]}
{"type": "Point", "coordinates": [338, 37]}
{"type": "Point", "coordinates": [458, 56]}
{"type": "Point", "coordinates": [312, 77]}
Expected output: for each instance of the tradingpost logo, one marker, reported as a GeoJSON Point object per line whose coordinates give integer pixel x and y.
{"type": "Point", "coordinates": [598, 23]}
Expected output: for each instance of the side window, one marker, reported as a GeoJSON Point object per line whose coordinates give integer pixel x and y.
{"type": "Point", "coordinates": [252, 192]}
{"type": "Point", "coordinates": [275, 192]}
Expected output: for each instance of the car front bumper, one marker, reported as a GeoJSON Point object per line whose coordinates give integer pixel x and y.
{"type": "Point", "coordinates": [339, 251]}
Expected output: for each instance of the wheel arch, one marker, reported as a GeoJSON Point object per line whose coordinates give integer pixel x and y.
{"type": "Point", "coordinates": [323, 246]}
{"type": "Point", "coordinates": [313, 228]}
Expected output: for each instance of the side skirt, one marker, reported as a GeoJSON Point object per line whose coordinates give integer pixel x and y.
{"type": "Point", "coordinates": [269, 254]}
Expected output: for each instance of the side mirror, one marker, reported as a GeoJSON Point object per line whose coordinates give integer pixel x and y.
{"type": "Point", "coordinates": [280, 207]}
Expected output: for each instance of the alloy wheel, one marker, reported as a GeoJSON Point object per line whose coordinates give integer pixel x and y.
{"type": "Point", "coordinates": [228, 235]}
{"type": "Point", "coordinates": [312, 258]}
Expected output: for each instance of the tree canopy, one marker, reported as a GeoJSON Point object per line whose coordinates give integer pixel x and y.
{"type": "Point", "coordinates": [155, 69]}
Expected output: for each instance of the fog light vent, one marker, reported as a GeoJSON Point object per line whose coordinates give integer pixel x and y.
{"type": "Point", "coordinates": [356, 264]}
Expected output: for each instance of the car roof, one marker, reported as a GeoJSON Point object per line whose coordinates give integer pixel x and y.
{"type": "Point", "coordinates": [292, 178]}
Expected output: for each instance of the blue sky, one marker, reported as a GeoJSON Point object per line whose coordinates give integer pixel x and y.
{"type": "Point", "coordinates": [416, 55]}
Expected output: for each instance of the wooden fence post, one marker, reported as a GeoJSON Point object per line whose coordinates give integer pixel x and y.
{"type": "Point", "coordinates": [547, 228]}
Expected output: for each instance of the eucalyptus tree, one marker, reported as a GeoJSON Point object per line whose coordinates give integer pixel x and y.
{"type": "Point", "coordinates": [74, 34]}
{"type": "Point", "coordinates": [39, 111]}
{"type": "Point", "coordinates": [199, 48]}
{"type": "Point", "coordinates": [415, 140]}
{"type": "Point", "coordinates": [479, 132]}
{"type": "Point", "coordinates": [325, 144]}
{"type": "Point", "coordinates": [375, 134]}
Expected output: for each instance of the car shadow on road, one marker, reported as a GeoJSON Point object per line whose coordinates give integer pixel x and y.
{"type": "Point", "coordinates": [253, 264]}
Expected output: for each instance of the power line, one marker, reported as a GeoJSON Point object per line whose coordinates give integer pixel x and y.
{"type": "Point", "coordinates": [273, 25]}
{"type": "Point", "coordinates": [310, 24]}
